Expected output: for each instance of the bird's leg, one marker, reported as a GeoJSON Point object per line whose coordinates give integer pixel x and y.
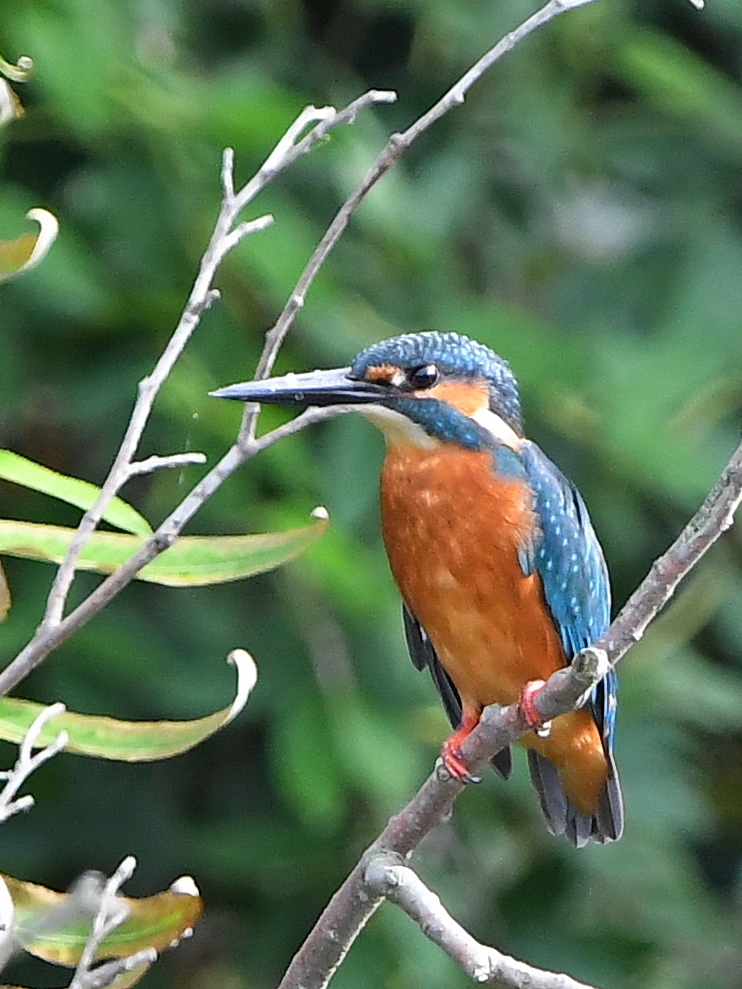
{"type": "Point", "coordinates": [530, 712]}
{"type": "Point", "coordinates": [454, 764]}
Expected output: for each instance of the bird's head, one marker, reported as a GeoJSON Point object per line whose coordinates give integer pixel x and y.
{"type": "Point", "coordinates": [419, 387]}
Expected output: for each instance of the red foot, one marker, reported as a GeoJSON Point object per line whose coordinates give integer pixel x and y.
{"type": "Point", "coordinates": [528, 703]}
{"type": "Point", "coordinates": [455, 765]}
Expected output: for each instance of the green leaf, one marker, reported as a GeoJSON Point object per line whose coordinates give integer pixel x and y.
{"type": "Point", "coordinates": [192, 562]}
{"type": "Point", "coordinates": [5, 598]}
{"type": "Point", "coordinates": [14, 467]}
{"type": "Point", "coordinates": [126, 741]}
{"type": "Point", "coordinates": [53, 926]}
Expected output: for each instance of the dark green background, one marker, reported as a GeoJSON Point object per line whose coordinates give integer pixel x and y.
{"type": "Point", "coordinates": [581, 213]}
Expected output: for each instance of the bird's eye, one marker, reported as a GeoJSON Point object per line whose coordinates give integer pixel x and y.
{"type": "Point", "coordinates": [423, 377]}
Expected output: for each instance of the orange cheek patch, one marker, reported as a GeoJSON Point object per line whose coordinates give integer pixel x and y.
{"type": "Point", "coordinates": [466, 396]}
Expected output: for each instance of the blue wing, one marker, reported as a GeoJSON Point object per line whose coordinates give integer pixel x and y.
{"type": "Point", "coordinates": [567, 556]}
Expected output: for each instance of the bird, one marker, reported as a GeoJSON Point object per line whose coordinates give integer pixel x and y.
{"type": "Point", "coordinates": [500, 571]}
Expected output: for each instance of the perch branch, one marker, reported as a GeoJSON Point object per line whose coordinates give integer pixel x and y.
{"type": "Point", "coordinates": [354, 903]}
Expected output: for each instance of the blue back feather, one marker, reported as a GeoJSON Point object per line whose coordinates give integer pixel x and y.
{"type": "Point", "coordinates": [568, 558]}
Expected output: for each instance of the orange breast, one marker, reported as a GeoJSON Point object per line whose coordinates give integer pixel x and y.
{"type": "Point", "coordinates": [452, 531]}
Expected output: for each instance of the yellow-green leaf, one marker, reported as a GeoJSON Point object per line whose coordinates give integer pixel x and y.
{"type": "Point", "coordinates": [26, 251]}
{"type": "Point", "coordinates": [193, 560]}
{"type": "Point", "coordinates": [82, 494]}
{"type": "Point", "coordinates": [5, 598]}
{"type": "Point", "coordinates": [53, 926]}
{"type": "Point", "coordinates": [127, 741]}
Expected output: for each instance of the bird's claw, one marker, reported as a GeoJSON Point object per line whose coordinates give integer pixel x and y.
{"type": "Point", "coordinates": [534, 718]}
{"type": "Point", "coordinates": [455, 766]}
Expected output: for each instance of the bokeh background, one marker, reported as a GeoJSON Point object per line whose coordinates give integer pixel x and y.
{"type": "Point", "coordinates": [582, 214]}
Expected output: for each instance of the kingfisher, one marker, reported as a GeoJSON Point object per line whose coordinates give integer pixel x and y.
{"type": "Point", "coordinates": [501, 574]}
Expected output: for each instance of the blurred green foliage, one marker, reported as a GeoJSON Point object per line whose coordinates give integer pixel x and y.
{"type": "Point", "coordinates": [582, 214]}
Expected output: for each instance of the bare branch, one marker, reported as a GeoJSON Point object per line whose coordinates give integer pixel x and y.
{"type": "Point", "coordinates": [28, 763]}
{"type": "Point", "coordinates": [107, 973]}
{"type": "Point", "coordinates": [111, 913]}
{"type": "Point", "coordinates": [354, 903]}
{"type": "Point", "coordinates": [713, 518]}
{"type": "Point", "coordinates": [389, 877]}
{"type": "Point", "coordinates": [242, 230]}
{"type": "Point", "coordinates": [152, 464]}
{"type": "Point", "coordinates": [395, 148]}
{"type": "Point", "coordinates": [50, 636]}
{"type": "Point", "coordinates": [225, 236]}
{"type": "Point", "coordinates": [327, 118]}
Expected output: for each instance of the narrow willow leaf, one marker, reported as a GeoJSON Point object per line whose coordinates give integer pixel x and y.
{"type": "Point", "coordinates": [82, 494]}
{"type": "Point", "coordinates": [192, 562]}
{"type": "Point", "coordinates": [127, 741]}
{"type": "Point", "coordinates": [55, 926]}
{"type": "Point", "coordinates": [28, 250]}
{"type": "Point", "coordinates": [5, 598]}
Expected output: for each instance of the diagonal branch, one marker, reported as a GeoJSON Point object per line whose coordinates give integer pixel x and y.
{"type": "Point", "coordinates": [395, 148]}
{"type": "Point", "coordinates": [49, 637]}
{"type": "Point", "coordinates": [226, 235]}
{"type": "Point", "coordinates": [354, 903]}
{"type": "Point", "coordinates": [27, 763]}
{"type": "Point", "coordinates": [55, 628]}
{"type": "Point", "coordinates": [388, 876]}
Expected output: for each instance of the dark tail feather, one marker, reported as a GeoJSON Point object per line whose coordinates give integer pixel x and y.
{"type": "Point", "coordinates": [562, 817]}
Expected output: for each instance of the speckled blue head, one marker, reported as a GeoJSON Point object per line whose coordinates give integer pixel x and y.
{"type": "Point", "coordinates": [458, 357]}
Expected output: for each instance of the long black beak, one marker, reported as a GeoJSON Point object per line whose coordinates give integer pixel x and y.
{"type": "Point", "coordinates": [311, 388]}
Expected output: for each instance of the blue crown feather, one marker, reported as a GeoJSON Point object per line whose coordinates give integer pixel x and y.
{"type": "Point", "coordinates": [456, 355]}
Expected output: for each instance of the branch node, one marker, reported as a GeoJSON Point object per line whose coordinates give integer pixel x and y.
{"type": "Point", "coordinates": [200, 306]}
{"type": "Point", "coordinates": [152, 464]}
{"type": "Point", "coordinates": [590, 665]}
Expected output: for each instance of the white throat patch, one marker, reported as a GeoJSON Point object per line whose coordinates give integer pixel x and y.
{"type": "Point", "coordinates": [498, 428]}
{"type": "Point", "coordinates": [397, 428]}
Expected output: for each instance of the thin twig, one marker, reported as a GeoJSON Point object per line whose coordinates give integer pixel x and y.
{"type": "Point", "coordinates": [395, 148]}
{"type": "Point", "coordinates": [107, 973]}
{"type": "Point", "coordinates": [388, 876]}
{"type": "Point", "coordinates": [159, 463]}
{"type": "Point", "coordinates": [714, 517]}
{"type": "Point", "coordinates": [224, 238]}
{"type": "Point", "coordinates": [111, 913]}
{"type": "Point", "coordinates": [27, 763]}
{"type": "Point", "coordinates": [164, 536]}
{"type": "Point", "coordinates": [55, 628]}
